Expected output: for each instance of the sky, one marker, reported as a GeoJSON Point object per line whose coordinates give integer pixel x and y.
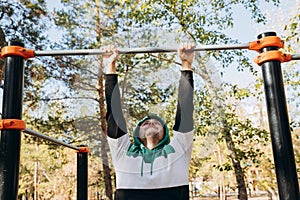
{"type": "Point", "coordinates": [244, 29]}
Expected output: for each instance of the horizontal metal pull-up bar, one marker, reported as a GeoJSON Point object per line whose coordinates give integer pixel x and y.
{"type": "Point", "coordinates": [45, 137]}
{"type": "Point", "coordinates": [278, 55]}
{"type": "Point", "coordinates": [136, 50]}
{"type": "Point", "coordinates": [295, 57]}
{"type": "Point", "coordinates": [256, 45]}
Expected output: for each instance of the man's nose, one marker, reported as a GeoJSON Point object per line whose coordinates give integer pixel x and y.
{"type": "Point", "coordinates": [151, 121]}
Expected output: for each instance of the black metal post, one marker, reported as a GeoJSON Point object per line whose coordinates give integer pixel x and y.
{"type": "Point", "coordinates": [10, 140]}
{"type": "Point", "coordinates": [283, 153]}
{"type": "Point", "coordinates": [82, 174]}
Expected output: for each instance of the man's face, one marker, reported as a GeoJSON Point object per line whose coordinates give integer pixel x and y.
{"type": "Point", "coordinates": [152, 128]}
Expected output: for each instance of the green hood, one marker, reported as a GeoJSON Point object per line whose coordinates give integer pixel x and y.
{"type": "Point", "coordinates": [161, 149]}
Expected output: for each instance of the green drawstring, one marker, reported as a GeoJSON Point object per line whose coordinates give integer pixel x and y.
{"type": "Point", "coordinates": [152, 164]}
{"type": "Point", "coordinates": [142, 167]}
{"type": "Point", "coordinates": [148, 156]}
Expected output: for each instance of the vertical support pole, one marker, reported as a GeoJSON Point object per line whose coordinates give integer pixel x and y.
{"type": "Point", "coordinates": [82, 173]}
{"type": "Point", "coordinates": [283, 153]}
{"type": "Point", "coordinates": [10, 140]}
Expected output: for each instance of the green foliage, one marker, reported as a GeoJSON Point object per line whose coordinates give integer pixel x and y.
{"type": "Point", "coordinates": [24, 21]}
{"type": "Point", "coordinates": [293, 30]}
{"type": "Point", "coordinates": [91, 24]}
{"type": "Point", "coordinates": [201, 21]}
{"type": "Point", "coordinates": [146, 91]}
{"type": "Point", "coordinates": [291, 69]}
{"type": "Point", "coordinates": [218, 125]}
{"type": "Point", "coordinates": [39, 171]}
{"type": "Point", "coordinates": [248, 139]}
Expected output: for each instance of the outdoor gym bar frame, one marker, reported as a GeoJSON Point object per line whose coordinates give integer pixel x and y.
{"type": "Point", "coordinates": [11, 126]}
{"type": "Point", "coordinates": [270, 59]}
{"type": "Point", "coordinates": [82, 162]}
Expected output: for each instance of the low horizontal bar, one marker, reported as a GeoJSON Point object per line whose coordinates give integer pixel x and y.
{"type": "Point", "coordinates": [295, 57]}
{"type": "Point", "coordinates": [137, 50]}
{"type": "Point", "coordinates": [45, 137]}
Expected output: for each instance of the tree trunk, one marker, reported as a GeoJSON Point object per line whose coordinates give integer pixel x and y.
{"type": "Point", "coordinates": [221, 190]}
{"type": "Point", "coordinates": [214, 87]}
{"type": "Point", "coordinates": [239, 174]}
{"type": "Point", "coordinates": [103, 125]}
{"type": "Point", "coordinates": [36, 175]}
{"type": "Point", "coordinates": [104, 144]}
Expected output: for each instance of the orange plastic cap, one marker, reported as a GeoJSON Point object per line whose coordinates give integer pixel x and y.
{"type": "Point", "coordinates": [271, 56]}
{"type": "Point", "coordinates": [17, 51]}
{"type": "Point", "coordinates": [270, 41]}
{"type": "Point", "coordinates": [84, 150]}
{"type": "Point", "coordinates": [12, 124]}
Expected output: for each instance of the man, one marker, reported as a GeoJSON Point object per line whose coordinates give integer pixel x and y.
{"type": "Point", "coordinates": [153, 167]}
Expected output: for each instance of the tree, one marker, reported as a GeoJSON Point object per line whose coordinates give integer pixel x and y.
{"type": "Point", "coordinates": [84, 25]}
{"type": "Point", "coordinates": [24, 21]}
{"type": "Point", "coordinates": [91, 24]}
{"type": "Point", "coordinates": [99, 32]}
{"type": "Point", "coordinates": [203, 22]}
{"type": "Point", "coordinates": [291, 80]}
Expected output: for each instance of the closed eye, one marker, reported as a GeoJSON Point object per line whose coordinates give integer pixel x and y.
{"type": "Point", "coordinates": [155, 122]}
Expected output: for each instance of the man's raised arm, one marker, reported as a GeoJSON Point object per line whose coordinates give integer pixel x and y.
{"type": "Point", "coordinates": [116, 124]}
{"type": "Point", "coordinates": [184, 115]}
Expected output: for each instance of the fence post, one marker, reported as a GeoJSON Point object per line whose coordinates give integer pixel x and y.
{"type": "Point", "coordinates": [283, 153]}
{"type": "Point", "coordinates": [10, 140]}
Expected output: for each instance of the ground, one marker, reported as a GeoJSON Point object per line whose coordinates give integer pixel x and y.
{"type": "Point", "coordinates": [232, 198]}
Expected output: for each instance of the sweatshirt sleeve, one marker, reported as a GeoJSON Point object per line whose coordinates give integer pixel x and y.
{"type": "Point", "coordinates": [116, 125]}
{"type": "Point", "coordinates": [184, 115]}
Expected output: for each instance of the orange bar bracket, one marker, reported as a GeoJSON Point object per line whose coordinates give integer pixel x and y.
{"type": "Point", "coordinates": [83, 150]}
{"type": "Point", "coordinates": [270, 41]}
{"type": "Point", "coordinates": [16, 51]}
{"type": "Point", "coordinates": [16, 124]}
{"type": "Point", "coordinates": [272, 55]}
